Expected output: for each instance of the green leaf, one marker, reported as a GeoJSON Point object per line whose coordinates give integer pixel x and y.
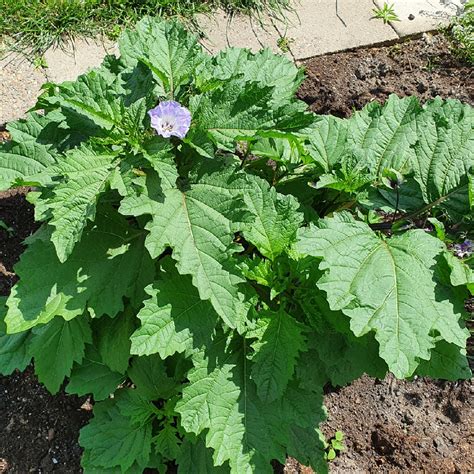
{"type": "Point", "coordinates": [48, 287]}
{"type": "Point", "coordinates": [408, 197]}
{"type": "Point", "coordinates": [93, 376]}
{"type": "Point", "coordinates": [166, 48]}
{"type": "Point", "coordinates": [139, 84]}
{"type": "Point", "coordinates": [86, 175]}
{"type": "Point", "coordinates": [26, 156]}
{"type": "Point", "coordinates": [402, 305]}
{"type": "Point", "coordinates": [56, 346]}
{"type": "Point", "coordinates": [335, 354]}
{"type": "Point", "coordinates": [276, 351]}
{"type": "Point", "coordinates": [347, 358]}
{"type": "Point", "coordinates": [194, 456]}
{"type": "Point", "coordinates": [91, 96]}
{"type": "Point", "coordinates": [167, 442]}
{"type": "Point", "coordinates": [222, 400]}
{"type": "Point", "coordinates": [460, 274]}
{"type": "Point", "coordinates": [263, 67]}
{"type": "Point", "coordinates": [439, 228]}
{"type": "Point", "coordinates": [328, 141]}
{"type": "Point", "coordinates": [276, 218]}
{"type": "Point", "coordinates": [135, 406]}
{"type": "Point", "coordinates": [13, 352]}
{"type": "Point", "coordinates": [444, 153]}
{"type": "Point", "coordinates": [447, 362]}
{"type": "Point", "coordinates": [240, 111]}
{"type": "Point", "coordinates": [351, 174]}
{"type": "Point", "coordinates": [112, 339]}
{"type": "Point", "coordinates": [286, 151]}
{"type": "Point", "coordinates": [174, 319]}
{"type": "Point", "coordinates": [307, 445]}
{"type": "Point", "coordinates": [158, 153]}
{"type": "Point", "coordinates": [13, 347]}
{"type": "Point", "coordinates": [112, 439]}
{"type": "Point", "coordinates": [198, 223]}
{"type": "Point", "coordinates": [149, 375]}
{"type": "Point", "coordinates": [385, 134]}
{"type": "Point", "coordinates": [30, 129]}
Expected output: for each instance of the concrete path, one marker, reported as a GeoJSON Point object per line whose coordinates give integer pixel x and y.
{"type": "Point", "coordinates": [315, 27]}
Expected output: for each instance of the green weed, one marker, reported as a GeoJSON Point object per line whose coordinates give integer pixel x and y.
{"type": "Point", "coordinates": [335, 445]}
{"type": "Point", "coordinates": [284, 43]}
{"type": "Point", "coordinates": [386, 13]}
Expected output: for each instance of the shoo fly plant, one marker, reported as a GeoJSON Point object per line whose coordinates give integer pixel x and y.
{"type": "Point", "coordinates": [211, 254]}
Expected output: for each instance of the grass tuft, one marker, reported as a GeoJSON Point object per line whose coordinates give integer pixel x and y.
{"type": "Point", "coordinates": [33, 26]}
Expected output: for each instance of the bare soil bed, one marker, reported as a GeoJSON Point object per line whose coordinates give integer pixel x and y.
{"type": "Point", "coordinates": [389, 426]}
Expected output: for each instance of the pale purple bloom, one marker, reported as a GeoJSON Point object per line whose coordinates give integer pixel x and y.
{"type": "Point", "coordinates": [465, 249]}
{"type": "Point", "coordinates": [169, 118]}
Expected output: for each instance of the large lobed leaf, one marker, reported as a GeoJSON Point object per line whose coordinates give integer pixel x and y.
{"type": "Point", "coordinates": [102, 269]}
{"type": "Point", "coordinates": [93, 376]}
{"type": "Point", "coordinates": [444, 153]}
{"type": "Point", "coordinates": [115, 439]}
{"type": "Point", "coordinates": [166, 48]}
{"type": "Point", "coordinates": [56, 346]}
{"type": "Point", "coordinates": [174, 319]}
{"type": "Point", "coordinates": [27, 155]}
{"type": "Point", "coordinates": [447, 361]}
{"type": "Point", "coordinates": [279, 342]}
{"type": "Point", "coordinates": [13, 347]}
{"type": "Point", "coordinates": [386, 133]}
{"type": "Point", "coordinates": [198, 223]}
{"type": "Point", "coordinates": [221, 400]}
{"type": "Point", "coordinates": [90, 101]}
{"type": "Point", "coordinates": [86, 174]}
{"type": "Point", "coordinates": [276, 218]}
{"type": "Point", "coordinates": [386, 286]}
{"type": "Point", "coordinates": [263, 67]}
{"type": "Point", "coordinates": [240, 110]}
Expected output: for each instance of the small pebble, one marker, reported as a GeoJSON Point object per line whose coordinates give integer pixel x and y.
{"type": "Point", "coordinates": [87, 405]}
{"type": "Point", "coordinates": [55, 461]}
{"type": "Point", "coordinates": [411, 16]}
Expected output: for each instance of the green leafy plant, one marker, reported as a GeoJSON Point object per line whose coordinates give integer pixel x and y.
{"type": "Point", "coordinates": [386, 13]}
{"type": "Point", "coordinates": [40, 62]}
{"type": "Point", "coordinates": [335, 446]}
{"type": "Point", "coordinates": [215, 260]}
{"type": "Point", "coordinates": [460, 33]}
{"type": "Point", "coordinates": [284, 43]}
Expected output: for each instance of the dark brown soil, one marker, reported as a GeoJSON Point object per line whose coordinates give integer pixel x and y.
{"type": "Point", "coordinates": [17, 215]}
{"type": "Point", "coordinates": [400, 426]}
{"type": "Point", "coordinates": [389, 426]}
{"type": "Point", "coordinates": [339, 83]}
{"type": "Point", "coordinates": [38, 431]}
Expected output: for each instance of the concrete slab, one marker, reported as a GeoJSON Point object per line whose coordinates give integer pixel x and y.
{"type": "Point", "coordinates": [417, 16]}
{"type": "Point", "coordinates": [20, 84]}
{"type": "Point", "coordinates": [65, 64]}
{"type": "Point", "coordinates": [318, 29]}
{"type": "Point", "coordinates": [223, 31]}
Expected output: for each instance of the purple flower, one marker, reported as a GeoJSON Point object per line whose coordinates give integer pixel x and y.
{"type": "Point", "coordinates": [465, 249]}
{"type": "Point", "coordinates": [170, 118]}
